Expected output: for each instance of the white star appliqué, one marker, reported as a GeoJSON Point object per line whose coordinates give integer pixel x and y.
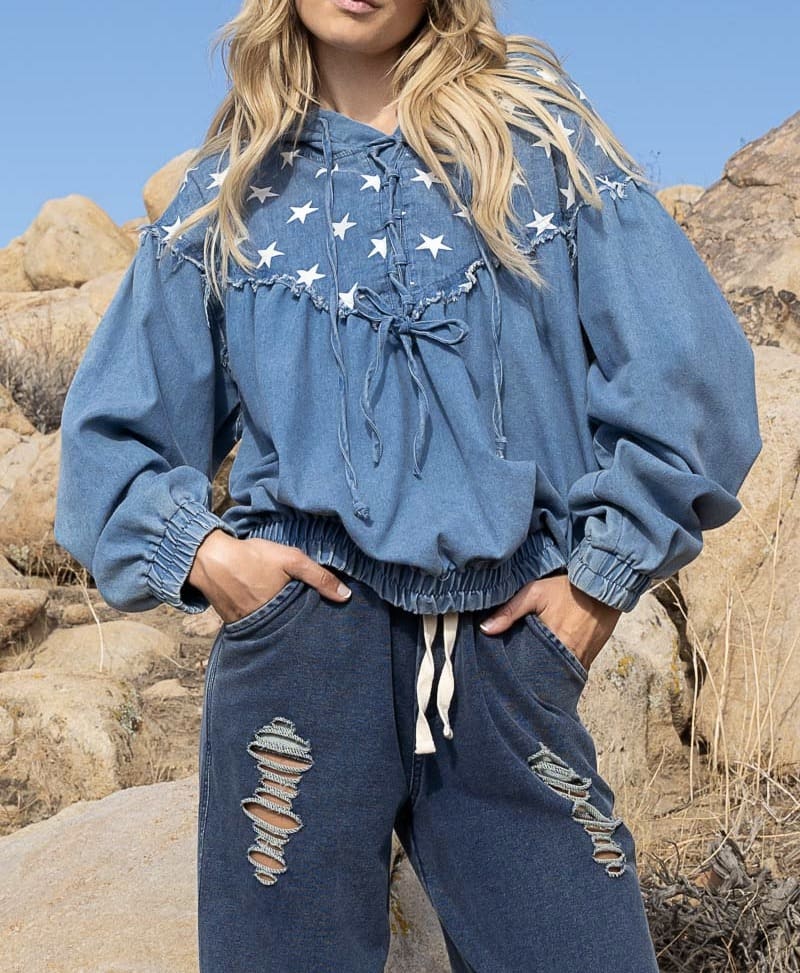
{"type": "Point", "coordinates": [569, 193]}
{"type": "Point", "coordinates": [322, 169]}
{"type": "Point", "coordinates": [371, 182]}
{"type": "Point", "coordinates": [348, 298]}
{"type": "Point", "coordinates": [261, 194]}
{"type": "Point", "coordinates": [185, 179]}
{"type": "Point", "coordinates": [307, 277]}
{"type": "Point", "coordinates": [464, 214]}
{"type": "Point", "coordinates": [541, 223]}
{"type": "Point", "coordinates": [434, 244]}
{"type": "Point", "coordinates": [547, 146]}
{"type": "Point", "coordinates": [301, 212]}
{"type": "Point", "coordinates": [616, 187]}
{"type": "Point", "coordinates": [289, 157]}
{"type": "Point", "coordinates": [340, 228]}
{"type": "Point", "coordinates": [427, 177]}
{"type": "Point", "coordinates": [269, 253]}
{"type": "Point", "coordinates": [217, 179]}
{"type": "Point", "coordinates": [171, 231]}
{"type": "Point", "coordinates": [378, 246]}
{"type": "Point", "coordinates": [567, 131]}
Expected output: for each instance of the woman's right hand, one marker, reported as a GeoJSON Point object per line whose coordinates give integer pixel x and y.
{"type": "Point", "coordinates": [237, 575]}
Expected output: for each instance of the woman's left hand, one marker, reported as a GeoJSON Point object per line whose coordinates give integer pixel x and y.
{"type": "Point", "coordinates": [583, 623]}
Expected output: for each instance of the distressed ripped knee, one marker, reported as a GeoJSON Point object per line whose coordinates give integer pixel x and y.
{"type": "Point", "coordinates": [282, 757]}
{"type": "Point", "coordinates": [562, 779]}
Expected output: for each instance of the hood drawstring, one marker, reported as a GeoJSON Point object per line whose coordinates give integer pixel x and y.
{"type": "Point", "coordinates": [368, 304]}
{"type": "Point", "coordinates": [360, 508]}
{"type": "Point", "coordinates": [445, 331]}
{"type": "Point", "coordinates": [500, 439]}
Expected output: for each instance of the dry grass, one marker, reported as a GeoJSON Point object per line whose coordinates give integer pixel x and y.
{"type": "Point", "coordinates": [37, 371]}
{"type": "Point", "coordinates": [720, 871]}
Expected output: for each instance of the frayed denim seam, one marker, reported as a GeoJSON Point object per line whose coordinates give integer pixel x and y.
{"type": "Point", "coordinates": [556, 773]}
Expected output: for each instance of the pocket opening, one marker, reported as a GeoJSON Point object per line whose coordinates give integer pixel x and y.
{"type": "Point", "coordinates": [266, 611]}
{"type": "Point", "coordinates": [538, 626]}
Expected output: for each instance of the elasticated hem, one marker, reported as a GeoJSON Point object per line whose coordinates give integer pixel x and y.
{"type": "Point", "coordinates": [325, 540]}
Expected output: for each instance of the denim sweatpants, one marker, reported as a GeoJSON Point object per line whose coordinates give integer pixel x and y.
{"type": "Point", "coordinates": [323, 729]}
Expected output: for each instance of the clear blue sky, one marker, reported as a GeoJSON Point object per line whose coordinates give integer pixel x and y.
{"type": "Point", "coordinates": [97, 97]}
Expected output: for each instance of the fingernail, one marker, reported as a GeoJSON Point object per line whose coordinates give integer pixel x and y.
{"type": "Point", "coordinates": [488, 625]}
{"type": "Point", "coordinates": [343, 590]}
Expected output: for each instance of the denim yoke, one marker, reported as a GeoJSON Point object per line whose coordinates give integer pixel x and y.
{"type": "Point", "coordinates": [406, 408]}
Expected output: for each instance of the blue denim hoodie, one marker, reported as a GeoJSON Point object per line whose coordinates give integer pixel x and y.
{"type": "Point", "coordinates": [409, 410]}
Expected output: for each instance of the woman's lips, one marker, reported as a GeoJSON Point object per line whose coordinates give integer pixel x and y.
{"type": "Point", "coordinates": [355, 6]}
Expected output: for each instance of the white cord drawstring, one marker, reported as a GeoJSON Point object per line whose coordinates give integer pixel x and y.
{"type": "Point", "coordinates": [444, 695]}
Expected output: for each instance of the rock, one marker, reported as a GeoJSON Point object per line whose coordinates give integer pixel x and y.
{"type": "Point", "coordinates": [166, 689]}
{"type": "Point", "coordinates": [123, 649]}
{"type": "Point", "coordinates": [678, 200]}
{"type": "Point", "coordinates": [741, 593]}
{"type": "Point", "coordinates": [77, 614]}
{"type": "Point", "coordinates": [205, 624]}
{"type": "Point", "coordinates": [104, 885]}
{"type": "Point", "coordinates": [747, 224]}
{"type": "Point", "coordinates": [12, 269]}
{"type": "Point", "coordinates": [132, 228]}
{"type": "Point", "coordinates": [72, 240]}
{"type": "Point", "coordinates": [11, 416]}
{"type": "Point", "coordinates": [162, 185]}
{"type": "Point", "coordinates": [47, 326]}
{"type": "Point", "coordinates": [9, 576]}
{"type": "Point", "coordinates": [28, 481]}
{"type": "Point", "coordinates": [111, 885]}
{"type": "Point", "coordinates": [768, 318]}
{"type": "Point", "coordinates": [20, 609]}
{"type": "Point", "coordinates": [72, 734]}
{"type": "Point", "coordinates": [416, 944]}
{"type": "Point", "coordinates": [99, 291]}
{"type": "Point", "coordinates": [637, 699]}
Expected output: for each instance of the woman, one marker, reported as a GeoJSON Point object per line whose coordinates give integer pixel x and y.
{"type": "Point", "coordinates": [486, 393]}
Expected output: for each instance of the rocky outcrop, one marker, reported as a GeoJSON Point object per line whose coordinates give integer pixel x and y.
{"type": "Point", "coordinates": [747, 224]}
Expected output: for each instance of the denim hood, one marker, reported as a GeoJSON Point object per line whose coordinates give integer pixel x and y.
{"type": "Point", "coordinates": [406, 408]}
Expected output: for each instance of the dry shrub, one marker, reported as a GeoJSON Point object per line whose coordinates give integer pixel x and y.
{"type": "Point", "coordinates": [37, 369]}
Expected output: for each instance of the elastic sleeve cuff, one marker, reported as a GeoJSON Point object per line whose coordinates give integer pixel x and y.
{"type": "Point", "coordinates": [605, 576]}
{"type": "Point", "coordinates": [169, 569]}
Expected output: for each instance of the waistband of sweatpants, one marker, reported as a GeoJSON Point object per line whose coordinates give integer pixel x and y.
{"type": "Point", "coordinates": [325, 540]}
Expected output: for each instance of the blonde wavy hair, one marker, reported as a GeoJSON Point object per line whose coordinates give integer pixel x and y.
{"type": "Point", "coordinates": [457, 87]}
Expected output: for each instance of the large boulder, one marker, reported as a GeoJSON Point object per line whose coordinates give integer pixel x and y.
{"type": "Point", "coordinates": [124, 649]}
{"type": "Point", "coordinates": [66, 737]}
{"type": "Point", "coordinates": [72, 240]}
{"type": "Point", "coordinates": [111, 885]}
